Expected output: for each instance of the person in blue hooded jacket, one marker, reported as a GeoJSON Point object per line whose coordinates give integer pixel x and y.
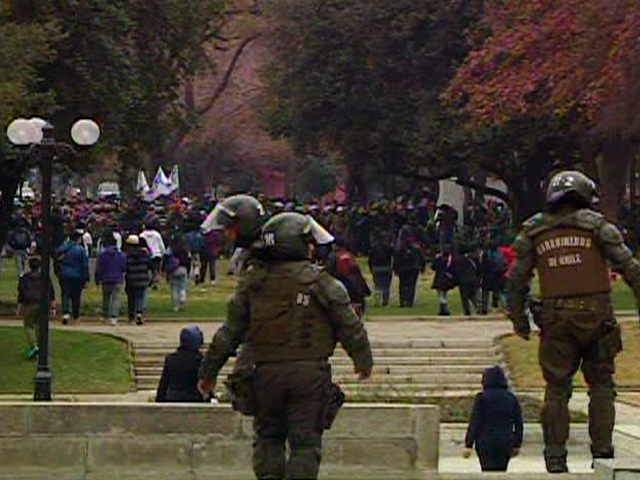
{"type": "Point", "coordinates": [495, 426]}
{"type": "Point", "coordinates": [179, 379]}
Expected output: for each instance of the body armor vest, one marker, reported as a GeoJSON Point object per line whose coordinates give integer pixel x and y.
{"type": "Point", "coordinates": [287, 321]}
{"type": "Point", "coordinates": [569, 263]}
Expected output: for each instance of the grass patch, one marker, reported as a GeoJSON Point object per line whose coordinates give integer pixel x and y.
{"type": "Point", "coordinates": [458, 409]}
{"type": "Point", "coordinates": [208, 301]}
{"type": "Point", "coordinates": [81, 363]}
{"type": "Point", "coordinates": [522, 360]}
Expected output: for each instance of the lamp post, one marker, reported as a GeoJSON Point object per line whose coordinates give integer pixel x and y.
{"type": "Point", "coordinates": [38, 134]}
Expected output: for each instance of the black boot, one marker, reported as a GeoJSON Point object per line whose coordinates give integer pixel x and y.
{"type": "Point", "coordinates": [556, 464]}
{"type": "Point", "coordinates": [607, 454]}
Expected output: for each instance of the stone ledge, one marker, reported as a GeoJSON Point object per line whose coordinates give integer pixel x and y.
{"type": "Point", "coordinates": [187, 439]}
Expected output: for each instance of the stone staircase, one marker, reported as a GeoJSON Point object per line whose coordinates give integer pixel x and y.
{"type": "Point", "coordinates": [407, 371]}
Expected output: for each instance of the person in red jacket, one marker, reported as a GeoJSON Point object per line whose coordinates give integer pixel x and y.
{"type": "Point", "coordinates": [510, 257]}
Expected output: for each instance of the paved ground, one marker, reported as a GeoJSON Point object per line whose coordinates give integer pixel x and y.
{"type": "Point", "coordinates": [628, 415]}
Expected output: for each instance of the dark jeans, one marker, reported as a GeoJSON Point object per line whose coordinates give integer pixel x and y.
{"type": "Point", "coordinates": [382, 280]}
{"type": "Point", "coordinates": [468, 297]}
{"type": "Point", "coordinates": [207, 262]}
{"type": "Point", "coordinates": [155, 264]}
{"type": "Point", "coordinates": [71, 296]}
{"type": "Point", "coordinates": [135, 301]}
{"type": "Point", "coordinates": [407, 288]}
{"type": "Point", "coordinates": [496, 298]}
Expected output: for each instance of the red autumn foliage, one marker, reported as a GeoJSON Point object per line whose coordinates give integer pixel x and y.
{"type": "Point", "coordinates": [548, 56]}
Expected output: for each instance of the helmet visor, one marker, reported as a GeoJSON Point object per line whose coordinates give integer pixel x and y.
{"type": "Point", "coordinates": [320, 235]}
{"type": "Point", "coordinates": [219, 218]}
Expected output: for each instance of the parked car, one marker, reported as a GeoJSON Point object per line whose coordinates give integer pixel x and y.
{"type": "Point", "coordinates": [108, 189]}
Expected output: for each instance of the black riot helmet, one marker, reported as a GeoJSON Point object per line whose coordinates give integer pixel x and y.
{"type": "Point", "coordinates": [286, 236]}
{"type": "Point", "coordinates": [241, 212]}
{"type": "Point", "coordinates": [571, 185]}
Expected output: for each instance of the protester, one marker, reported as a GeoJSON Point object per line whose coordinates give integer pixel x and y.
{"type": "Point", "coordinates": [409, 261]}
{"type": "Point", "coordinates": [72, 267]}
{"type": "Point", "coordinates": [157, 248]}
{"type": "Point", "coordinates": [178, 265]}
{"type": "Point", "coordinates": [444, 267]}
{"type": "Point", "coordinates": [138, 277]}
{"type": "Point", "coordinates": [467, 279]}
{"type": "Point", "coordinates": [210, 255]}
{"type": "Point", "coordinates": [343, 266]}
{"type": "Point", "coordinates": [20, 242]}
{"type": "Point", "coordinates": [110, 270]}
{"type": "Point", "coordinates": [381, 265]}
{"type": "Point", "coordinates": [29, 295]}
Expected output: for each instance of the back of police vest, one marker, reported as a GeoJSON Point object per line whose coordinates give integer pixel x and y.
{"type": "Point", "coordinates": [569, 262]}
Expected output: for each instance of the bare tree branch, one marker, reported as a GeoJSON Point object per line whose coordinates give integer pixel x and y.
{"type": "Point", "coordinates": [180, 135]}
{"type": "Point", "coordinates": [227, 75]}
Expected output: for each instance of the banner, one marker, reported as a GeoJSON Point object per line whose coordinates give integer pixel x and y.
{"type": "Point", "coordinates": [142, 185]}
{"type": "Point", "coordinates": [174, 179]}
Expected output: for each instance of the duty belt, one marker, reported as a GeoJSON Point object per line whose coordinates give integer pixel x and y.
{"type": "Point", "coordinates": [585, 304]}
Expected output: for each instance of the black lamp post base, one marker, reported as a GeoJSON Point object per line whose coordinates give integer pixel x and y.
{"type": "Point", "coordinates": [42, 386]}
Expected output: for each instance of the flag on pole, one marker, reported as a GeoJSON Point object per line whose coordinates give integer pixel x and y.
{"type": "Point", "coordinates": [160, 178]}
{"type": "Point", "coordinates": [161, 184]}
{"type": "Point", "coordinates": [142, 185]}
{"type": "Point", "coordinates": [174, 179]}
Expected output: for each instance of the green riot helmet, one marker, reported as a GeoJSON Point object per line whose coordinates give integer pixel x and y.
{"type": "Point", "coordinates": [242, 213]}
{"type": "Point", "coordinates": [572, 184]}
{"type": "Point", "coordinates": [287, 236]}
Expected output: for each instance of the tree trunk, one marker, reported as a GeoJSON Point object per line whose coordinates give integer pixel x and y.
{"type": "Point", "coordinates": [8, 187]}
{"type": "Point", "coordinates": [632, 180]}
{"type": "Point", "coordinates": [614, 170]}
{"type": "Point", "coordinates": [526, 194]}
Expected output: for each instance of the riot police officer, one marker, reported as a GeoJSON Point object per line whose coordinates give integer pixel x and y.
{"type": "Point", "coordinates": [291, 313]}
{"type": "Point", "coordinates": [569, 245]}
{"type": "Point", "coordinates": [242, 218]}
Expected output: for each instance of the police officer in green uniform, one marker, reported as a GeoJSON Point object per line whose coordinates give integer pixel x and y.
{"type": "Point", "coordinates": [242, 218]}
{"type": "Point", "coordinates": [291, 313]}
{"type": "Point", "coordinates": [569, 246]}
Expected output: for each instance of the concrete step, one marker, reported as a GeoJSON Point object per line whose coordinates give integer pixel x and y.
{"type": "Point", "coordinates": [387, 352]}
{"type": "Point", "coordinates": [491, 360]}
{"type": "Point", "coordinates": [399, 379]}
{"type": "Point", "coordinates": [156, 369]}
{"type": "Point", "coordinates": [381, 385]}
{"type": "Point", "coordinates": [423, 343]}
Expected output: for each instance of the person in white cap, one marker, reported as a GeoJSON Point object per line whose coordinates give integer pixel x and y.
{"type": "Point", "coordinates": [138, 277]}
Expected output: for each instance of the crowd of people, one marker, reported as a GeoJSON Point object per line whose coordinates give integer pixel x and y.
{"type": "Point", "coordinates": [130, 245]}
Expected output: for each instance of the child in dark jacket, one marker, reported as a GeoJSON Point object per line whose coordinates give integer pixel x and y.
{"type": "Point", "coordinates": [179, 381]}
{"type": "Point", "coordinates": [495, 426]}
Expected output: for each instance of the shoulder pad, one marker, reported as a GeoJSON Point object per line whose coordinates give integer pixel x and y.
{"type": "Point", "coordinates": [310, 273]}
{"type": "Point", "coordinates": [609, 234]}
{"type": "Point", "coordinates": [534, 225]}
{"type": "Point", "coordinates": [534, 221]}
{"type": "Point", "coordinates": [589, 219]}
{"type": "Point", "coordinates": [522, 244]}
{"type": "Point", "coordinates": [253, 274]}
{"type": "Point", "coordinates": [330, 290]}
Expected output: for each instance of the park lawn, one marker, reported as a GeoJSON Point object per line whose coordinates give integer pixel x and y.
{"type": "Point", "coordinates": [209, 301]}
{"type": "Point", "coordinates": [458, 409]}
{"type": "Point", "coordinates": [81, 363]}
{"type": "Point", "coordinates": [522, 360]}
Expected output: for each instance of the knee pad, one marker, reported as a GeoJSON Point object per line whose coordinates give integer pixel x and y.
{"type": "Point", "coordinates": [306, 453]}
{"type": "Point", "coordinates": [268, 459]}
